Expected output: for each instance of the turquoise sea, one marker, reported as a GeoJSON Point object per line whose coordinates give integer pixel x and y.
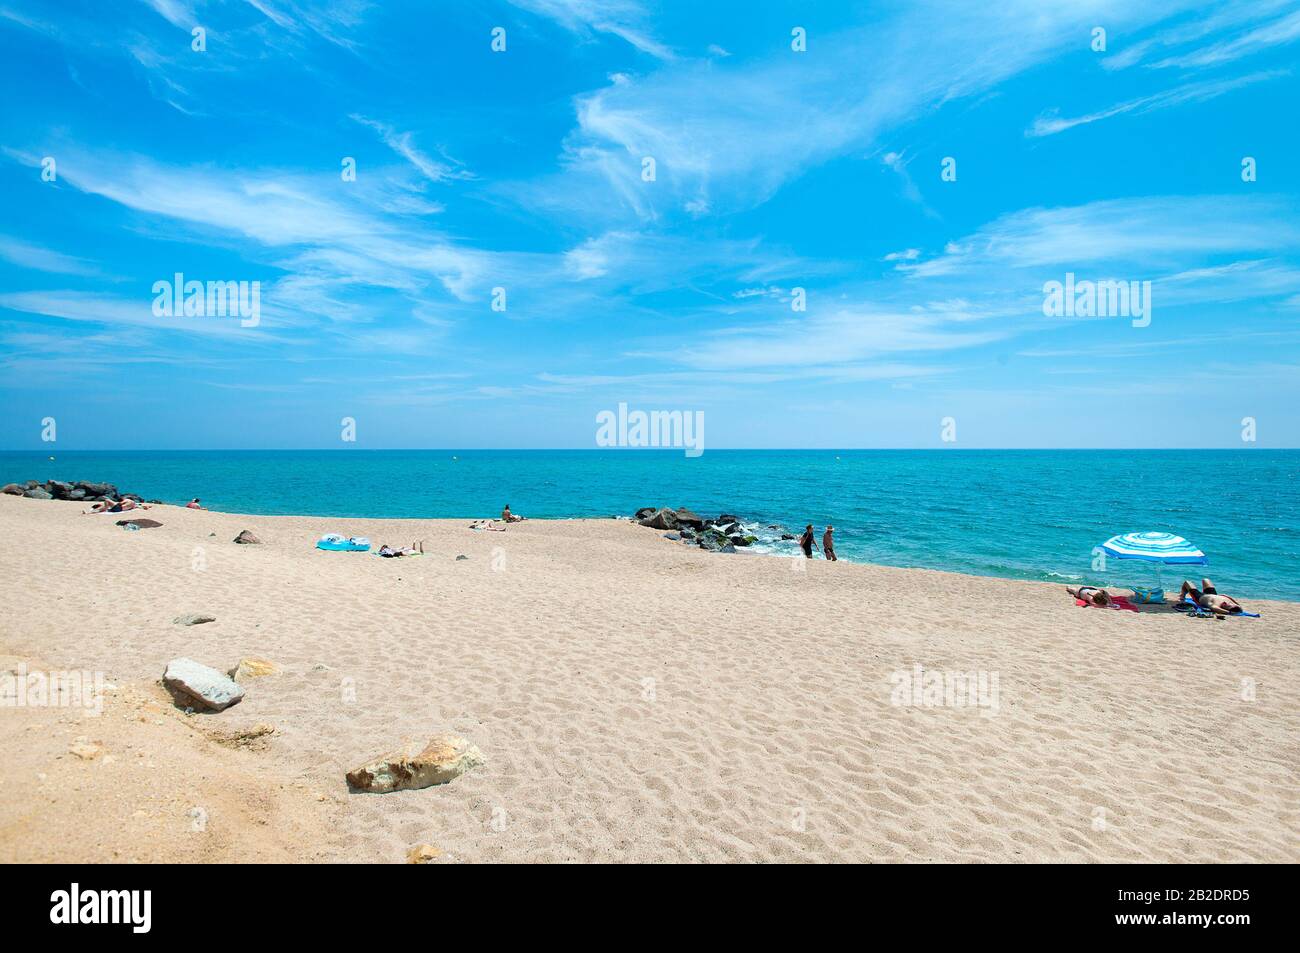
{"type": "Point", "coordinates": [1024, 514]}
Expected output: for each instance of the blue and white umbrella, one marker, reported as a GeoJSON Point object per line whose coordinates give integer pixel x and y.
{"type": "Point", "coordinates": [1164, 548]}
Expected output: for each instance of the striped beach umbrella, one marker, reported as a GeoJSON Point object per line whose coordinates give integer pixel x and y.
{"type": "Point", "coordinates": [1163, 548]}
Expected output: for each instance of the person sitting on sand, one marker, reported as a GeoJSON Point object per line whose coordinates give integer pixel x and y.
{"type": "Point", "coordinates": [807, 541]}
{"type": "Point", "coordinates": [828, 544]}
{"type": "Point", "coordinates": [1091, 595]}
{"type": "Point", "coordinates": [509, 517]}
{"type": "Point", "coordinates": [193, 504]}
{"type": "Point", "coordinates": [1207, 597]}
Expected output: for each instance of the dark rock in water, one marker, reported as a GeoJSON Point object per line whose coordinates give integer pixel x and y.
{"type": "Point", "coordinates": [660, 519]}
{"type": "Point", "coordinates": [36, 493]}
{"type": "Point", "coordinates": [686, 518]}
{"type": "Point", "coordinates": [787, 536]}
{"type": "Point", "coordinates": [13, 489]}
{"type": "Point", "coordinates": [772, 526]}
{"type": "Point", "coordinates": [726, 529]}
{"type": "Point", "coordinates": [728, 518]}
{"type": "Point", "coordinates": [246, 538]}
{"type": "Point", "coordinates": [739, 540]}
{"type": "Point", "coordinates": [673, 536]}
{"type": "Point", "coordinates": [642, 513]}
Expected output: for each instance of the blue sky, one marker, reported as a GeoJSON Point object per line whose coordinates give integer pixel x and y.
{"type": "Point", "coordinates": [775, 170]}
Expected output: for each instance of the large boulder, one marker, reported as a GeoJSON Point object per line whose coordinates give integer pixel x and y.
{"type": "Point", "coordinates": [197, 686]}
{"type": "Point", "coordinates": [415, 765]}
{"type": "Point", "coordinates": [662, 518]}
{"type": "Point", "coordinates": [643, 513]}
{"type": "Point", "coordinates": [59, 489]}
{"type": "Point", "coordinates": [98, 489]}
{"type": "Point", "coordinates": [13, 489]}
{"type": "Point", "coordinates": [686, 518]}
{"type": "Point", "coordinates": [36, 493]}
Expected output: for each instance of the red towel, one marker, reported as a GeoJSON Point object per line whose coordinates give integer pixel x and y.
{"type": "Point", "coordinates": [1117, 602]}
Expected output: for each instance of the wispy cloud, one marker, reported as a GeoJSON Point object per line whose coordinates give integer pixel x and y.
{"type": "Point", "coordinates": [625, 19]}
{"type": "Point", "coordinates": [402, 143]}
{"type": "Point", "coordinates": [1049, 124]}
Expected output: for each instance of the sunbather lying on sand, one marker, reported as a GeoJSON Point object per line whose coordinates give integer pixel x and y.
{"type": "Point", "coordinates": [388, 551]}
{"type": "Point", "coordinates": [114, 506]}
{"type": "Point", "coordinates": [1207, 597]}
{"type": "Point", "coordinates": [1091, 594]}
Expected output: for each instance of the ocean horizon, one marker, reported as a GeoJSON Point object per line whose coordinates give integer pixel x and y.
{"type": "Point", "coordinates": [1018, 514]}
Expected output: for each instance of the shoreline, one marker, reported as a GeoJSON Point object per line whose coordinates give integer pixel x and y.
{"type": "Point", "coordinates": [634, 700]}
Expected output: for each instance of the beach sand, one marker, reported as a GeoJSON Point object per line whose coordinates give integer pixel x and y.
{"type": "Point", "coordinates": [635, 699]}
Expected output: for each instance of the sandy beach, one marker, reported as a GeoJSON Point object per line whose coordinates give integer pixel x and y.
{"type": "Point", "coordinates": [635, 700]}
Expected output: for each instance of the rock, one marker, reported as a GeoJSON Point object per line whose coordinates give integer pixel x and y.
{"type": "Point", "coordinates": [460, 557]}
{"type": "Point", "coordinates": [193, 619]}
{"type": "Point", "coordinates": [413, 766]}
{"type": "Point", "coordinates": [97, 489]}
{"type": "Point", "coordinates": [253, 668]}
{"type": "Point", "coordinates": [726, 529]}
{"type": "Point", "coordinates": [198, 686]}
{"type": "Point", "coordinates": [740, 540]}
{"type": "Point", "coordinates": [87, 751]}
{"type": "Point", "coordinates": [76, 493]}
{"type": "Point", "coordinates": [787, 536]}
{"type": "Point", "coordinates": [59, 489]}
{"type": "Point", "coordinates": [642, 513]}
{"type": "Point", "coordinates": [37, 493]}
{"type": "Point", "coordinates": [246, 538]}
{"type": "Point", "coordinates": [729, 548]}
{"type": "Point", "coordinates": [660, 519]}
{"type": "Point", "coordinates": [673, 536]}
{"type": "Point", "coordinates": [13, 489]}
{"type": "Point", "coordinates": [728, 518]}
{"type": "Point", "coordinates": [686, 518]}
{"type": "Point", "coordinates": [422, 854]}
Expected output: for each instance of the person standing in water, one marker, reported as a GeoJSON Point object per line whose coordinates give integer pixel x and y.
{"type": "Point", "coordinates": [828, 544]}
{"type": "Point", "coordinates": [807, 541]}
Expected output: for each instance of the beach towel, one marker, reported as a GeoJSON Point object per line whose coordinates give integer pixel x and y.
{"type": "Point", "coordinates": [1116, 602]}
{"type": "Point", "coordinates": [1194, 610]}
{"type": "Point", "coordinates": [1148, 596]}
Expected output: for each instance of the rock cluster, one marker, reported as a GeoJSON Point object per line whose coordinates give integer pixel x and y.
{"type": "Point", "coordinates": [721, 535]}
{"type": "Point", "coordinates": [80, 490]}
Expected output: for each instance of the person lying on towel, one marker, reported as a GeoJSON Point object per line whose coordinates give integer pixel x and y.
{"type": "Point", "coordinates": [1091, 594]}
{"type": "Point", "coordinates": [1207, 597]}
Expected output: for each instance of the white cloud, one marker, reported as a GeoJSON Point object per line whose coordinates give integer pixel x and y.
{"type": "Point", "coordinates": [1050, 124]}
